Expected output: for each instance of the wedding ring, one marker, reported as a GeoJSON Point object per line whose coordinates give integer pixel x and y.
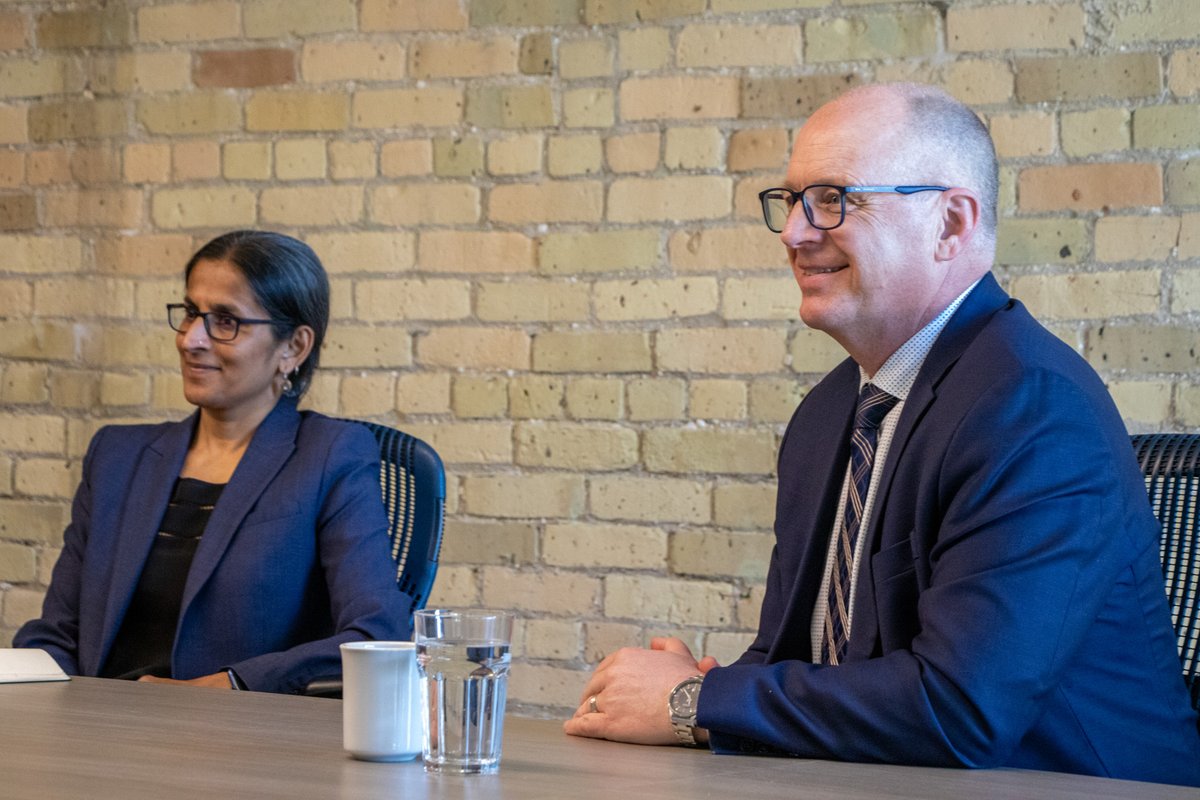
{"type": "Point", "coordinates": [592, 705]}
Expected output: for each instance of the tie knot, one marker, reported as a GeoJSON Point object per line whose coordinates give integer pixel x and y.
{"type": "Point", "coordinates": [873, 405]}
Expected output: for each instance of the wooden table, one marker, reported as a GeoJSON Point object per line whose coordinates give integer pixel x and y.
{"type": "Point", "coordinates": [98, 738]}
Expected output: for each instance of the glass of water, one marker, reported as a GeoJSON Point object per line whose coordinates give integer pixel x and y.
{"type": "Point", "coordinates": [463, 656]}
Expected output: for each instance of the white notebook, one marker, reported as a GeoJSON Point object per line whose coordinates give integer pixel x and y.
{"type": "Point", "coordinates": [28, 666]}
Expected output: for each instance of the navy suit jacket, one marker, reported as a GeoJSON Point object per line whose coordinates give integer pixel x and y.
{"type": "Point", "coordinates": [294, 560]}
{"type": "Point", "coordinates": [1010, 606]}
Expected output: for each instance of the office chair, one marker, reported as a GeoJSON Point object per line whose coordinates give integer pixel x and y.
{"type": "Point", "coordinates": [1171, 464]}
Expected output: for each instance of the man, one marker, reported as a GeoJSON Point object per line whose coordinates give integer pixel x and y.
{"type": "Point", "coordinates": [966, 569]}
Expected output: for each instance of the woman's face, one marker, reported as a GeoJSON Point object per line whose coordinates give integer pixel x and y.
{"type": "Point", "coordinates": [241, 376]}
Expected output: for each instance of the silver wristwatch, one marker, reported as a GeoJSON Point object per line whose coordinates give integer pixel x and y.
{"type": "Point", "coordinates": [681, 704]}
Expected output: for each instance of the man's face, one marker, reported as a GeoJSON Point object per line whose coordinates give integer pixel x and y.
{"type": "Point", "coordinates": [873, 279]}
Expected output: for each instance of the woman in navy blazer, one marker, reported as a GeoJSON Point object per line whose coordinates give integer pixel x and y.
{"type": "Point", "coordinates": [290, 560]}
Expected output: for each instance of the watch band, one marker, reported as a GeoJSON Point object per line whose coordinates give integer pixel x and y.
{"type": "Point", "coordinates": [681, 706]}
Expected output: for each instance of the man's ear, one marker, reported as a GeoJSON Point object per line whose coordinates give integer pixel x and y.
{"type": "Point", "coordinates": [960, 220]}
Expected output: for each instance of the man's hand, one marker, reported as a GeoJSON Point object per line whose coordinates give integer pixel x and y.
{"type": "Point", "coordinates": [631, 688]}
{"type": "Point", "coordinates": [218, 680]}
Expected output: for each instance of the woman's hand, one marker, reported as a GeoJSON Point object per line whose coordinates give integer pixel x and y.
{"type": "Point", "coordinates": [218, 680]}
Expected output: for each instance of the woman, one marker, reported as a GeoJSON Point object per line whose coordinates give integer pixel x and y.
{"type": "Point", "coordinates": [239, 547]}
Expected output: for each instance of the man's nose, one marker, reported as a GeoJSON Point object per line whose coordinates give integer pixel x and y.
{"type": "Point", "coordinates": [797, 230]}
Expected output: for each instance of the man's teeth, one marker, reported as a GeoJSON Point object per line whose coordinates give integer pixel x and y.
{"type": "Point", "coordinates": [825, 271]}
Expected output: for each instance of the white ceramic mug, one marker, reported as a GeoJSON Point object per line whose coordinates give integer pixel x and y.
{"type": "Point", "coordinates": [381, 701]}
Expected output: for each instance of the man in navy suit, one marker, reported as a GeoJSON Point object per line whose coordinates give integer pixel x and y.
{"type": "Point", "coordinates": [966, 568]}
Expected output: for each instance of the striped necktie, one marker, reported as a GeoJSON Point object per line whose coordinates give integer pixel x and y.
{"type": "Point", "coordinates": [873, 406]}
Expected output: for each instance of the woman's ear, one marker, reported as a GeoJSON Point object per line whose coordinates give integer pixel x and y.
{"type": "Point", "coordinates": [960, 219]}
{"type": "Point", "coordinates": [297, 348]}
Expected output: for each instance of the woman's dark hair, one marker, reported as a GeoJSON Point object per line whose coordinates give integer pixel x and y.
{"type": "Point", "coordinates": [288, 281]}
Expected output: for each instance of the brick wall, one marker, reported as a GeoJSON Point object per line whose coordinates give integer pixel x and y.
{"type": "Point", "coordinates": [547, 260]}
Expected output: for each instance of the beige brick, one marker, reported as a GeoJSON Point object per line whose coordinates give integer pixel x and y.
{"type": "Point", "coordinates": [475, 252]}
{"type": "Point", "coordinates": [717, 399]}
{"type": "Point", "coordinates": [1080, 187]}
{"type": "Point", "coordinates": [72, 119]}
{"type": "Point", "coordinates": [274, 19]}
{"type": "Point", "coordinates": [1100, 130]}
{"type": "Point", "coordinates": [312, 205]}
{"type": "Point", "coordinates": [536, 397]}
{"type": "Point", "coordinates": [1144, 348]}
{"type": "Point", "coordinates": [586, 58]}
{"type": "Point", "coordinates": [657, 399]}
{"type": "Point", "coordinates": [121, 389]}
{"type": "Point", "coordinates": [46, 478]}
{"type": "Point", "coordinates": [732, 451]}
{"type": "Point", "coordinates": [101, 207]}
{"type": "Point", "coordinates": [20, 253]}
{"type": "Point", "coordinates": [873, 36]}
{"type": "Point", "coordinates": [406, 158]}
{"type": "Point", "coordinates": [32, 433]}
{"type": "Point", "coordinates": [412, 299]}
{"type": "Point", "coordinates": [327, 62]}
{"type": "Point", "coordinates": [20, 605]}
{"type": "Point", "coordinates": [760, 299]}
{"type": "Point", "coordinates": [547, 202]}
{"type": "Point", "coordinates": [367, 394]}
{"type": "Point", "coordinates": [654, 499]}
{"type": "Point", "coordinates": [980, 81]}
{"type": "Point", "coordinates": [148, 254]}
{"type": "Point", "coordinates": [1185, 296]}
{"type": "Point", "coordinates": [1184, 80]}
{"type": "Point", "coordinates": [546, 686]}
{"type": "Point", "coordinates": [207, 207]}
{"type": "Point", "coordinates": [678, 602]}
{"type": "Point", "coordinates": [694, 148]}
{"type": "Point", "coordinates": [1158, 20]}
{"type": "Point", "coordinates": [362, 347]}
{"type": "Point", "coordinates": [746, 506]}
{"type": "Point", "coordinates": [475, 396]}
{"type": "Point", "coordinates": [195, 113]}
{"type": "Point", "coordinates": [423, 393]}
{"type": "Point", "coordinates": [1023, 134]}
{"type": "Point", "coordinates": [81, 297]}
{"type": "Point", "coordinates": [525, 13]}
{"type": "Point", "coordinates": [455, 586]}
{"type": "Point", "coordinates": [459, 157]}
{"type": "Point", "coordinates": [813, 351]}
{"type": "Point", "coordinates": [42, 77]}
{"type": "Point", "coordinates": [603, 12]}
{"type": "Point", "coordinates": [6, 472]}
{"type": "Point", "coordinates": [14, 33]}
{"type": "Point", "coordinates": [603, 638]}
{"type": "Point", "coordinates": [531, 302]}
{"type": "Point", "coordinates": [246, 160]}
{"type": "Point", "coordinates": [719, 249]}
{"type": "Point", "coordinates": [425, 204]}
{"type": "Point", "coordinates": [12, 169]}
{"type": "Point", "coordinates": [194, 161]}
{"type": "Point", "coordinates": [679, 97]}
{"type": "Point", "coordinates": [147, 163]}
{"type": "Point", "coordinates": [188, 22]}
{"type": "Point", "coordinates": [1099, 295]}
{"type": "Point", "coordinates": [14, 125]}
{"type": "Point", "coordinates": [474, 348]}
{"type": "Point", "coordinates": [1167, 127]}
{"type": "Point", "coordinates": [633, 152]}
{"type": "Point", "coordinates": [17, 563]}
{"type": "Point", "coordinates": [79, 389]}
{"type": "Point", "coordinates": [25, 384]}
{"type": "Point", "coordinates": [37, 339]}
{"type": "Point", "coordinates": [412, 15]}
{"type": "Point", "coordinates": [510, 106]}
{"type": "Point", "coordinates": [551, 639]}
{"type": "Point", "coordinates": [739, 46]}
{"type": "Point", "coordinates": [96, 165]}
{"type": "Point", "coordinates": [644, 49]}
{"type": "Point", "coordinates": [1145, 402]}
{"type": "Point", "coordinates": [166, 395]}
{"type": "Point", "coordinates": [244, 68]}
{"type": "Point", "coordinates": [524, 496]}
{"type": "Point", "coordinates": [484, 542]}
{"type": "Point", "coordinates": [1188, 405]}
{"type": "Point", "coordinates": [297, 111]}
{"type": "Point", "coordinates": [574, 155]}
{"type": "Point", "coordinates": [721, 350]}
{"type": "Point", "coordinates": [405, 108]}
{"type": "Point", "coordinates": [605, 546]}
{"type": "Point", "coordinates": [1014, 27]}
{"type": "Point", "coordinates": [536, 56]}
{"type": "Point", "coordinates": [727, 647]}
{"type": "Point", "coordinates": [518, 155]}
{"type": "Point", "coordinates": [15, 293]}
{"type": "Point", "coordinates": [1040, 241]}
{"type": "Point", "coordinates": [1121, 75]}
{"type": "Point", "coordinates": [759, 148]}
{"type": "Point", "coordinates": [604, 251]}
{"type": "Point", "coordinates": [350, 160]}
{"type": "Point", "coordinates": [1136, 238]}
{"type": "Point", "coordinates": [129, 346]}
{"type": "Point", "coordinates": [1183, 182]}
{"type": "Point", "coordinates": [149, 71]}
{"type": "Point", "coordinates": [18, 212]}
{"type": "Point", "coordinates": [669, 199]}
{"type": "Point", "coordinates": [574, 446]}
{"type": "Point", "coordinates": [592, 351]}
{"type": "Point", "coordinates": [300, 159]}
{"type": "Point", "coordinates": [464, 58]}
{"type": "Point", "coordinates": [151, 296]}
{"type": "Point", "coordinates": [711, 553]}
{"type": "Point", "coordinates": [595, 398]}
{"type": "Point", "coordinates": [655, 299]}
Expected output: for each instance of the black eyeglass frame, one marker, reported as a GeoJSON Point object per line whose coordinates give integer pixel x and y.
{"type": "Point", "coordinates": [842, 191]}
{"type": "Point", "coordinates": [190, 311]}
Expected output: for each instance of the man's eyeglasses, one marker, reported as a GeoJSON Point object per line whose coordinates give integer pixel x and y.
{"type": "Point", "coordinates": [221, 327]}
{"type": "Point", "coordinates": [824, 204]}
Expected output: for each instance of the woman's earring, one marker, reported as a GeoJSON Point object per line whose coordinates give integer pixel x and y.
{"type": "Point", "coordinates": [287, 383]}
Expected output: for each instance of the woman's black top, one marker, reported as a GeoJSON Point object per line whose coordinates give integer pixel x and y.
{"type": "Point", "coordinates": [147, 634]}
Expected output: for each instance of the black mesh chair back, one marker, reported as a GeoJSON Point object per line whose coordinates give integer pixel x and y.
{"type": "Point", "coordinates": [413, 482]}
{"type": "Point", "coordinates": [1171, 464]}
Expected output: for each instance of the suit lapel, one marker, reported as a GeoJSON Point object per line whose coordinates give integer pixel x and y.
{"type": "Point", "coordinates": [269, 448]}
{"type": "Point", "coordinates": [977, 308]}
{"type": "Point", "coordinates": [149, 492]}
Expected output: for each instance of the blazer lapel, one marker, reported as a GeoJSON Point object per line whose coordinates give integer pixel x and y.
{"type": "Point", "coordinates": [159, 464]}
{"type": "Point", "coordinates": [977, 308]}
{"type": "Point", "coordinates": [269, 448]}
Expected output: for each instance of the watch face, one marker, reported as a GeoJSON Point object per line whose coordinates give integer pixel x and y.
{"type": "Point", "coordinates": [683, 700]}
